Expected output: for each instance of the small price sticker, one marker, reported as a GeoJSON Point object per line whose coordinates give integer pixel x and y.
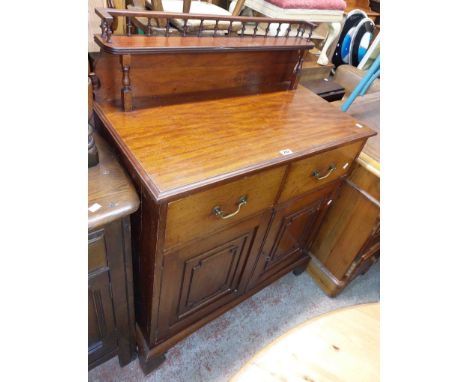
{"type": "Point", "coordinates": [94, 207]}
{"type": "Point", "coordinates": [285, 152]}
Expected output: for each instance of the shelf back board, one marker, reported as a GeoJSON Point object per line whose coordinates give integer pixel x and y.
{"type": "Point", "coordinates": [166, 68]}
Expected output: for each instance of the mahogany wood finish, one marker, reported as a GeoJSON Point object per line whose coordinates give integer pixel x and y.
{"type": "Point", "coordinates": [211, 157]}
{"type": "Point", "coordinates": [293, 225]}
{"type": "Point", "coordinates": [206, 275]}
{"type": "Point", "coordinates": [111, 318]}
{"type": "Point", "coordinates": [313, 172]}
{"type": "Point", "coordinates": [174, 44]}
{"type": "Point", "coordinates": [222, 136]}
{"type": "Point", "coordinates": [150, 358]}
{"type": "Point", "coordinates": [125, 61]}
{"type": "Point", "coordinates": [157, 78]}
{"type": "Point", "coordinates": [190, 217]}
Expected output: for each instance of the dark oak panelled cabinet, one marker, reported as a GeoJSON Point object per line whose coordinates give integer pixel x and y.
{"type": "Point", "coordinates": [111, 319]}
{"type": "Point", "coordinates": [234, 164]}
{"type": "Point", "coordinates": [102, 332]}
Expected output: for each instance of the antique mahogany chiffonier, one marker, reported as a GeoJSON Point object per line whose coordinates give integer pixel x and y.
{"type": "Point", "coordinates": [234, 163]}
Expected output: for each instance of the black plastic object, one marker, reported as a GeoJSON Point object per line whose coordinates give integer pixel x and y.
{"type": "Point", "coordinates": [361, 41]}
{"type": "Point", "coordinates": [352, 20]}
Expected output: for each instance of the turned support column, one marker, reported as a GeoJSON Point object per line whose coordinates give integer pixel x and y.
{"type": "Point", "coordinates": [297, 70]}
{"type": "Point", "coordinates": [126, 92]}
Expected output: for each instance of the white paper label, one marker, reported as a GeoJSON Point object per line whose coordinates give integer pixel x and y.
{"type": "Point", "coordinates": [285, 152]}
{"type": "Point", "coordinates": [94, 207]}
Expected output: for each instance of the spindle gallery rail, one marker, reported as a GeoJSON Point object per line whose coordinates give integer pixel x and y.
{"type": "Point", "coordinates": [299, 29]}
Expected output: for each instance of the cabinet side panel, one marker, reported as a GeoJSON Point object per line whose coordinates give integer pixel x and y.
{"type": "Point", "coordinates": [116, 234]}
{"type": "Point", "coordinates": [344, 231]}
{"type": "Point", "coordinates": [144, 240]}
{"type": "Point", "coordinates": [366, 181]}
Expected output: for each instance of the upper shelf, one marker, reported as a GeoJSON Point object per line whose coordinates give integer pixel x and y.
{"type": "Point", "coordinates": [138, 44]}
{"type": "Point", "coordinates": [200, 33]}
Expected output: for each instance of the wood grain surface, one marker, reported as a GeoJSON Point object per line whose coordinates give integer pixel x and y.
{"type": "Point", "coordinates": [340, 346]}
{"type": "Point", "coordinates": [344, 231]}
{"type": "Point", "coordinates": [164, 75]}
{"type": "Point", "coordinates": [367, 110]}
{"type": "Point", "coordinates": [180, 147]}
{"type": "Point", "coordinates": [366, 181]}
{"type": "Point", "coordinates": [110, 187]}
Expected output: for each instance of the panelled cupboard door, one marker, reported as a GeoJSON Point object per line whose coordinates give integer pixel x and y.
{"type": "Point", "coordinates": [207, 274]}
{"type": "Point", "coordinates": [293, 224]}
{"type": "Point", "coordinates": [102, 335]}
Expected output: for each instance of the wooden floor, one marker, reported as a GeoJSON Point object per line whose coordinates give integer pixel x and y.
{"type": "Point", "coordinates": [342, 345]}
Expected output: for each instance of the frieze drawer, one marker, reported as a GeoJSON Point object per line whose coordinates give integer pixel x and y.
{"type": "Point", "coordinates": [313, 172]}
{"type": "Point", "coordinates": [218, 207]}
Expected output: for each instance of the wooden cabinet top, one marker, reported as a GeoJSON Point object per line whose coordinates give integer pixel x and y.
{"type": "Point", "coordinates": [110, 188]}
{"type": "Point", "coordinates": [182, 146]}
{"type": "Point", "coordinates": [367, 110]}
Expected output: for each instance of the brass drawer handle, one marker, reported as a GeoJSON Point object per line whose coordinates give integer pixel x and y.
{"type": "Point", "coordinates": [220, 213]}
{"type": "Point", "coordinates": [316, 173]}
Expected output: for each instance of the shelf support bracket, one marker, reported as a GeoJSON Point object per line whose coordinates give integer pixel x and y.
{"type": "Point", "coordinates": [126, 92]}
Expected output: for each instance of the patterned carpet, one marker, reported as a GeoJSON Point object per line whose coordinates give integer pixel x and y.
{"type": "Point", "coordinates": [218, 350]}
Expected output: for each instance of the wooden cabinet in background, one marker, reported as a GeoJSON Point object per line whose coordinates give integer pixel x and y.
{"type": "Point", "coordinates": [348, 242]}
{"type": "Point", "coordinates": [102, 333]}
{"type": "Point", "coordinates": [111, 317]}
